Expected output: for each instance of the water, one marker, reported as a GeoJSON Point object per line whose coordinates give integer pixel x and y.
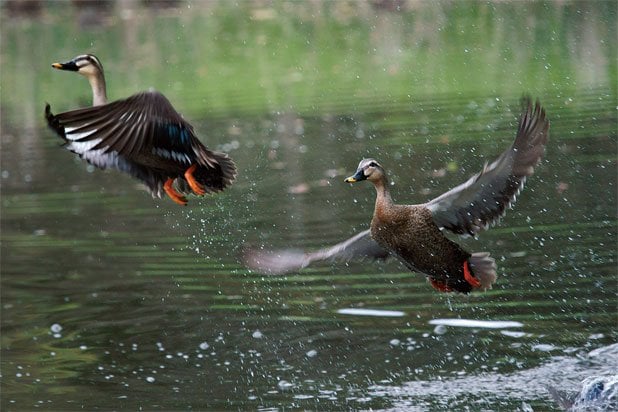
{"type": "Point", "coordinates": [113, 300]}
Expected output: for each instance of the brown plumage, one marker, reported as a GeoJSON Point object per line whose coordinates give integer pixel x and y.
{"type": "Point", "coordinates": [413, 233]}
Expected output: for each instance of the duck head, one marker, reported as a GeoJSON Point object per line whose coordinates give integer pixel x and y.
{"type": "Point", "coordinates": [85, 64]}
{"type": "Point", "coordinates": [368, 169]}
{"type": "Point", "coordinates": [89, 66]}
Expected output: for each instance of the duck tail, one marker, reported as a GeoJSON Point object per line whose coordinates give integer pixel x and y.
{"type": "Point", "coordinates": [484, 268]}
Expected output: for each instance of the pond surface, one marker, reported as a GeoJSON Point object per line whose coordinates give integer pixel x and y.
{"type": "Point", "coordinates": [114, 300]}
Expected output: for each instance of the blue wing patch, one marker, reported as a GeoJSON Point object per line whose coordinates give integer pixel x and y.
{"type": "Point", "coordinates": [173, 141]}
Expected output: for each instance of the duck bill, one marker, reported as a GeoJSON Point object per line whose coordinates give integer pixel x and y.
{"type": "Point", "coordinates": [70, 66]}
{"type": "Point", "coordinates": [357, 177]}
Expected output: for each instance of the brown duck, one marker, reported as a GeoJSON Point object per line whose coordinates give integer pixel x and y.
{"type": "Point", "coordinates": [413, 233]}
{"type": "Point", "coordinates": [142, 135]}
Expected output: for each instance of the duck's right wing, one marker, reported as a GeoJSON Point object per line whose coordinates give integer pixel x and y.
{"type": "Point", "coordinates": [278, 262]}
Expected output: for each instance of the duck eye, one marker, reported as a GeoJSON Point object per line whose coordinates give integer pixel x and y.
{"type": "Point", "coordinates": [373, 164]}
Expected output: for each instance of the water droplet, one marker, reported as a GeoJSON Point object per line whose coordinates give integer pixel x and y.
{"type": "Point", "coordinates": [439, 330]}
{"type": "Point", "coordinates": [283, 384]}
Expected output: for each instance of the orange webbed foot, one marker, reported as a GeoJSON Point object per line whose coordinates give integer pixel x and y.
{"type": "Point", "coordinates": [197, 188]}
{"type": "Point", "coordinates": [470, 278]}
{"type": "Point", "coordinates": [173, 194]}
{"type": "Point", "coordinates": [440, 286]}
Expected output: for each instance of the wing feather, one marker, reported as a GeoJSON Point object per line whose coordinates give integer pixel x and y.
{"type": "Point", "coordinates": [283, 261]}
{"type": "Point", "coordinates": [483, 199]}
{"type": "Point", "coordinates": [126, 126]}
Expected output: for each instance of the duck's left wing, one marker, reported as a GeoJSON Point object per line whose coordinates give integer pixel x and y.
{"type": "Point", "coordinates": [483, 199]}
{"type": "Point", "coordinates": [283, 261]}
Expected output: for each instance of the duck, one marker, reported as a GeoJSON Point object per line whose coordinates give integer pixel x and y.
{"type": "Point", "coordinates": [414, 234]}
{"type": "Point", "coordinates": [143, 136]}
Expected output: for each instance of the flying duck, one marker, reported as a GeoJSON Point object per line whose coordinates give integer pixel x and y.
{"type": "Point", "coordinates": [414, 233]}
{"type": "Point", "coordinates": [142, 135]}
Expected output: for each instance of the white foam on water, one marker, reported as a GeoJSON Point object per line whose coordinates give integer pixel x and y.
{"type": "Point", "coordinates": [371, 312]}
{"type": "Point", "coordinates": [471, 323]}
{"type": "Point", "coordinates": [563, 372]}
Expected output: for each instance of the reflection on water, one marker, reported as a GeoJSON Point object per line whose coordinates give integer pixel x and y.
{"type": "Point", "coordinates": [112, 299]}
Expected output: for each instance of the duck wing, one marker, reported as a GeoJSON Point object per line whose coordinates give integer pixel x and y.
{"type": "Point", "coordinates": [144, 123]}
{"type": "Point", "coordinates": [483, 199]}
{"type": "Point", "coordinates": [124, 133]}
{"type": "Point", "coordinates": [283, 261]}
